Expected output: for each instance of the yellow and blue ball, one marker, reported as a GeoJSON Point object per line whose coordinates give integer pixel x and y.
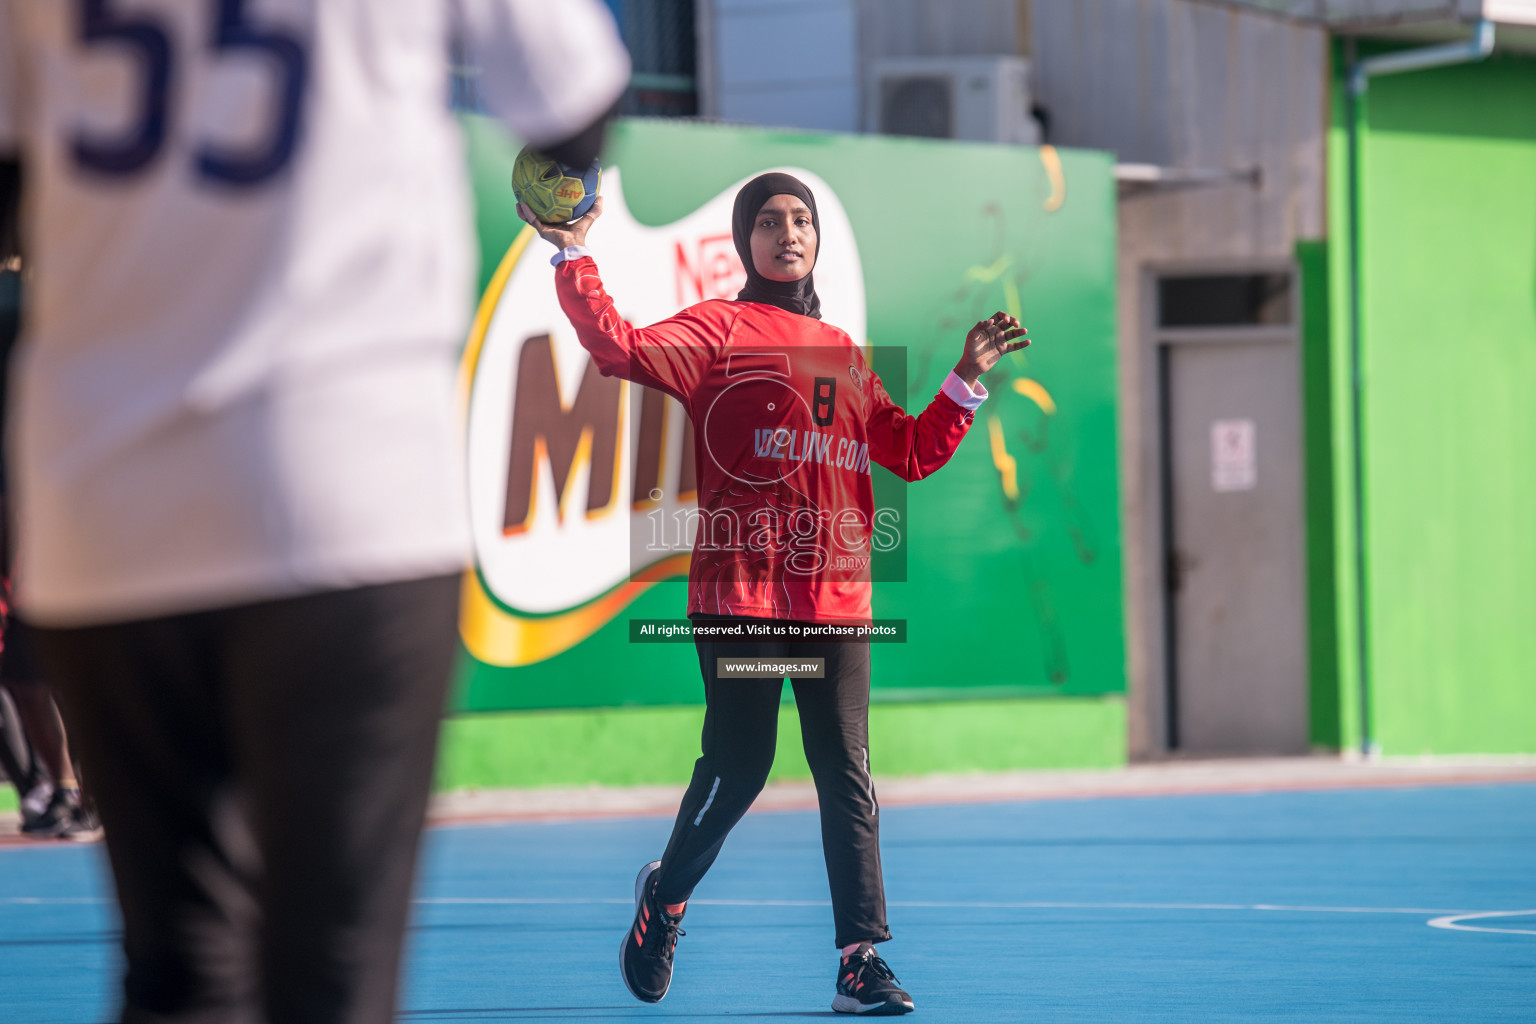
{"type": "Point", "coordinates": [557, 193]}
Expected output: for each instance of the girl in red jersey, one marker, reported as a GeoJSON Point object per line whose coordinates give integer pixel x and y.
{"type": "Point", "coordinates": [788, 418]}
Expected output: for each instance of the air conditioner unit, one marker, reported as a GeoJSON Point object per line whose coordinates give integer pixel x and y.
{"type": "Point", "coordinates": [980, 99]}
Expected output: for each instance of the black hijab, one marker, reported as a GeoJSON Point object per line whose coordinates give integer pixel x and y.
{"type": "Point", "coordinates": [795, 296]}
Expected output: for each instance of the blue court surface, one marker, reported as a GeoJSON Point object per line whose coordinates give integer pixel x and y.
{"type": "Point", "coordinates": [1343, 905]}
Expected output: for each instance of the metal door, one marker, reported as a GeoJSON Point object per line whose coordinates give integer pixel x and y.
{"type": "Point", "coordinates": [1233, 510]}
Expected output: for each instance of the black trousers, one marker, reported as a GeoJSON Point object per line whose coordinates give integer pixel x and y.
{"type": "Point", "coordinates": [262, 773]}
{"type": "Point", "coordinates": [17, 759]}
{"type": "Point", "coordinates": [740, 728]}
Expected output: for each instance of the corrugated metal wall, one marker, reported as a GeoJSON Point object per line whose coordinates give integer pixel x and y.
{"type": "Point", "coordinates": [789, 63]}
{"type": "Point", "coordinates": [1185, 84]}
{"type": "Point", "coordinates": [938, 28]}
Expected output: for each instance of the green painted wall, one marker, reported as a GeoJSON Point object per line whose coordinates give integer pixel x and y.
{"type": "Point", "coordinates": [1343, 710]}
{"type": "Point", "coordinates": [1317, 397]}
{"type": "Point", "coordinates": [1448, 264]}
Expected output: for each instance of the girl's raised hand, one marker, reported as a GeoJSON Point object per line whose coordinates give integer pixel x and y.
{"type": "Point", "coordinates": [987, 342]}
{"type": "Point", "coordinates": [563, 236]}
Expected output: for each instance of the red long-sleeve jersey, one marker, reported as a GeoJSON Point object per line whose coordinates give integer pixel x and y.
{"type": "Point", "coordinates": [787, 417]}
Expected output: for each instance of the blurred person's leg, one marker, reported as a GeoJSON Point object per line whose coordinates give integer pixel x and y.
{"type": "Point", "coordinates": [16, 757]}
{"type": "Point", "coordinates": [319, 715]}
{"type": "Point", "coordinates": [45, 729]}
{"type": "Point", "coordinates": [834, 725]}
{"type": "Point", "coordinates": [23, 677]}
{"type": "Point", "coordinates": [335, 702]}
{"type": "Point", "coordinates": [64, 810]}
{"type": "Point", "coordinates": [54, 804]}
{"type": "Point", "coordinates": [741, 724]}
{"type": "Point", "coordinates": [149, 715]}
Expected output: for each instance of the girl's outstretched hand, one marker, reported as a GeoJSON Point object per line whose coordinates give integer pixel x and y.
{"type": "Point", "coordinates": [563, 236]}
{"type": "Point", "coordinates": [988, 342]}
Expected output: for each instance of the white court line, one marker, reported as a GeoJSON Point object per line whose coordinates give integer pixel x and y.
{"type": "Point", "coordinates": [1453, 922]}
{"type": "Point", "coordinates": [980, 905]}
{"type": "Point", "coordinates": [515, 901]}
{"type": "Point", "coordinates": [1042, 905]}
{"type": "Point", "coordinates": [1447, 919]}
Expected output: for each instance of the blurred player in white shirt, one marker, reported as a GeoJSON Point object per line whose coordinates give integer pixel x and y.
{"type": "Point", "coordinates": [234, 449]}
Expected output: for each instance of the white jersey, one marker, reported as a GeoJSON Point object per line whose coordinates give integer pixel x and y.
{"type": "Point", "coordinates": [251, 260]}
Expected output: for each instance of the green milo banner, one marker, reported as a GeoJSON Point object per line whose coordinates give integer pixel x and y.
{"type": "Point", "coordinates": [1012, 575]}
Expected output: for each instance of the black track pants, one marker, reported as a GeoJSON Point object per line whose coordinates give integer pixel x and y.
{"type": "Point", "coordinates": [262, 772]}
{"type": "Point", "coordinates": [740, 727]}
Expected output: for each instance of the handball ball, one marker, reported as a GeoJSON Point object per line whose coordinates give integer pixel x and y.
{"type": "Point", "coordinates": [557, 193]}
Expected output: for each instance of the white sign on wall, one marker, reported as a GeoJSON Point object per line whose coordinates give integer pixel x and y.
{"type": "Point", "coordinates": [1233, 463]}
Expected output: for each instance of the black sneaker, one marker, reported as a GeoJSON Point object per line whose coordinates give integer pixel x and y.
{"type": "Point", "coordinates": [84, 824]}
{"type": "Point", "coordinates": [645, 958]}
{"type": "Point", "coordinates": [865, 984]}
{"type": "Point", "coordinates": [53, 821]}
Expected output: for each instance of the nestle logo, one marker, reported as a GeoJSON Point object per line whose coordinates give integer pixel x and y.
{"type": "Point", "coordinates": [707, 268]}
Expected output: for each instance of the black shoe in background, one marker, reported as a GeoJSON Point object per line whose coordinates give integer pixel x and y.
{"type": "Point", "coordinates": [84, 824]}
{"type": "Point", "coordinates": [645, 958]}
{"type": "Point", "coordinates": [55, 819]}
{"type": "Point", "coordinates": [865, 984]}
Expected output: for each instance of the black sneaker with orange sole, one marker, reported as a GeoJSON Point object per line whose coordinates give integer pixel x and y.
{"type": "Point", "coordinates": [865, 984]}
{"type": "Point", "coordinates": [645, 958]}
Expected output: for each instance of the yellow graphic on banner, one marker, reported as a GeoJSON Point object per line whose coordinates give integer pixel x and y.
{"type": "Point", "coordinates": [499, 637]}
{"type": "Point", "coordinates": [1052, 161]}
{"type": "Point", "coordinates": [1035, 392]}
